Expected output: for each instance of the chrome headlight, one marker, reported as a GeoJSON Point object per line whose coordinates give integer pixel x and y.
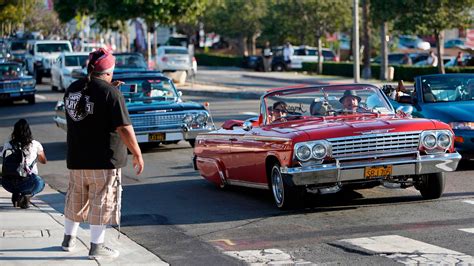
{"type": "Point", "coordinates": [201, 118]}
{"type": "Point", "coordinates": [317, 150]}
{"type": "Point", "coordinates": [303, 152]}
{"type": "Point", "coordinates": [435, 141]}
{"type": "Point", "coordinates": [444, 140]}
{"type": "Point", "coordinates": [28, 83]}
{"type": "Point", "coordinates": [462, 125]}
{"type": "Point", "coordinates": [188, 119]}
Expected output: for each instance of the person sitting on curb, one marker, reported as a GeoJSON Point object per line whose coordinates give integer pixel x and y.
{"type": "Point", "coordinates": [24, 184]}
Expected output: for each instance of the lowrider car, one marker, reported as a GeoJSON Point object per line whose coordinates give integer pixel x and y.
{"type": "Point", "coordinates": [14, 85]}
{"type": "Point", "coordinates": [156, 109]}
{"type": "Point", "coordinates": [448, 98]}
{"type": "Point", "coordinates": [305, 140]}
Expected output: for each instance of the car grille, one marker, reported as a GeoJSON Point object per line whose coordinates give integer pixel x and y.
{"type": "Point", "coordinates": [12, 85]}
{"type": "Point", "coordinates": [149, 122]}
{"type": "Point", "coordinates": [375, 144]}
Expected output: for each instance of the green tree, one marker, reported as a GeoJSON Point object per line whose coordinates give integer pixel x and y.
{"type": "Point", "coordinates": [433, 17]}
{"type": "Point", "coordinates": [239, 20]}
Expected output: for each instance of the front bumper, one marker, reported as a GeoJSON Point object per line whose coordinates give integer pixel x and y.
{"type": "Point", "coordinates": [349, 171]}
{"type": "Point", "coordinates": [17, 94]}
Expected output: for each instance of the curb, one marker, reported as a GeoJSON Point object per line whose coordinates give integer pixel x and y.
{"type": "Point", "coordinates": [221, 94]}
{"type": "Point", "coordinates": [300, 81]}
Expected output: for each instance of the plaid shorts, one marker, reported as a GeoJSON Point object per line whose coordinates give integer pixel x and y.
{"type": "Point", "coordinates": [94, 196]}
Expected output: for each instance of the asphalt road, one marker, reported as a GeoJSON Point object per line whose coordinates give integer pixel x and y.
{"type": "Point", "coordinates": [185, 220]}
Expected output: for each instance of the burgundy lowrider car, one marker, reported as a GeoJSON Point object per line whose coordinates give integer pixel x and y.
{"type": "Point", "coordinates": [315, 140]}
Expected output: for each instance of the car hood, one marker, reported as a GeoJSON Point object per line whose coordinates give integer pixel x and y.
{"type": "Point", "coordinates": [448, 112]}
{"type": "Point", "coordinates": [335, 128]}
{"type": "Point", "coordinates": [161, 106]}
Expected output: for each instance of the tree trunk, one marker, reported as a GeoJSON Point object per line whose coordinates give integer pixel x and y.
{"type": "Point", "coordinates": [440, 50]}
{"type": "Point", "coordinates": [384, 52]}
{"type": "Point", "coordinates": [253, 43]}
{"type": "Point", "coordinates": [243, 49]}
{"type": "Point", "coordinates": [320, 55]}
{"type": "Point", "coordinates": [366, 72]}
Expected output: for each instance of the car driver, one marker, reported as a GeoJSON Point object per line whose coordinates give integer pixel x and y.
{"type": "Point", "coordinates": [351, 101]}
{"type": "Point", "coordinates": [279, 111]}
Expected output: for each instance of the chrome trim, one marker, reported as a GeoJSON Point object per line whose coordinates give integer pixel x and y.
{"type": "Point", "coordinates": [340, 171]}
{"type": "Point", "coordinates": [247, 184]}
{"type": "Point", "coordinates": [374, 143]}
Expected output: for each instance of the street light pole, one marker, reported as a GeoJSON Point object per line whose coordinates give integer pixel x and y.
{"type": "Point", "coordinates": [355, 42]}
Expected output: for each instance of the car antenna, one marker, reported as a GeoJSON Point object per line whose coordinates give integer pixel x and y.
{"type": "Point", "coordinates": [207, 105]}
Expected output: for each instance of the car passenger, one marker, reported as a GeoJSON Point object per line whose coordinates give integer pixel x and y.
{"type": "Point", "coordinates": [279, 111]}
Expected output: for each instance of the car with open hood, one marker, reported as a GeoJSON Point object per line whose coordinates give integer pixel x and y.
{"type": "Point", "coordinates": [448, 98]}
{"type": "Point", "coordinates": [321, 139]}
{"type": "Point", "coordinates": [15, 85]}
{"type": "Point", "coordinates": [158, 113]}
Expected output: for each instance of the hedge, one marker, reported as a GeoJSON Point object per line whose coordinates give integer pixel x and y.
{"type": "Point", "coordinates": [218, 60]}
{"type": "Point", "coordinates": [401, 72]}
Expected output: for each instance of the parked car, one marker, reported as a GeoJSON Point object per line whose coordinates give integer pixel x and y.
{"type": "Point", "coordinates": [62, 68]}
{"type": "Point", "coordinates": [301, 55]}
{"type": "Point", "coordinates": [14, 84]}
{"type": "Point", "coordinates": [90, 47]}
{"type": "Point", "coordinates": [397, 58]}
{"type": "Point", "coordinates": [172, 58]}
{"type": "Point", "coordinates": [314, 144]}
{"type": "Point", "coordinates": [126, 62]}
{"type": "Point", "coordinates": [446, 60]}
{"type": "Point", "coordinates": [156, 109]}
{"type": "Point", "coordinates": [41, 55]}
{"type": "Point", "coordinates": [448, 98]}
{"type": "Point", "coordinates": [454, 43]}
{"type": "Point", "coordinates": [412, 42]}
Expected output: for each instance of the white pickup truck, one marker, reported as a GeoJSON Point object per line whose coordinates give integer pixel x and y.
{"type": "Point", "coordinates": [41, 54]}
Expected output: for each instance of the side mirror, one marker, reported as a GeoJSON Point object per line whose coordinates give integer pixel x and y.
{"type": "Point", "coordinates": [247, 126]}
{"type": "Point", "coordinates": [180, 94]}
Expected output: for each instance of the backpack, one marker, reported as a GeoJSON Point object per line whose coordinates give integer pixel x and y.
{"type": "Point", "coordinates": [14, 163]}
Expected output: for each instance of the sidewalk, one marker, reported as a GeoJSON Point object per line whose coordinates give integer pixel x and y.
{"type": "Point", "coordinates": [216, 89]}
{"type": "Point", "coordinates": [33, 236]}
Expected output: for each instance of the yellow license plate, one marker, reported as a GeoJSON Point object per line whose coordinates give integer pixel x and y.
{"type": "Point", "coordinates": [156, 137]}
{"type": "Point", "coordinates": [378, 171]}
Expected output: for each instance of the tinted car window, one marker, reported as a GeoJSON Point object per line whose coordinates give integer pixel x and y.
{"type": "Point", "coordinates": [176, 51]}
{"type": "Point", "coordinates": [18, 46]}
{"type": "Point", "coordinates": [52, 47]}
{"type": "Point", "coordinates": [148, 89]}
{"type": "Point", "coordinates": [300, 52]}
{"type": "Point", "coordinates": [75, 60]}
{"type": "Point", "coordinates": [312, 52]}
{"type": "Point", "coordinates": [328, 54]}
{"type": "Point", "coordinates": [129, 61]}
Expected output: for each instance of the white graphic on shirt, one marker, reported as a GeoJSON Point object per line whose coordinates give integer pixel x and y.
{"type": "Point", "coordinates": [70, 105]}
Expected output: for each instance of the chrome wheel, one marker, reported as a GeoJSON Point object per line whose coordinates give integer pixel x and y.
{"type": "Point", "coordinates": [278, 187]}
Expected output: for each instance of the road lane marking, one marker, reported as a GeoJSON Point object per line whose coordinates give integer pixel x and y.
{"type": "Point", "coordinates": [469, 201]}
{"type": "Point", "coordinates": [408, 251]}
{"type": "Point", "coordinates": [266, 257]}
{"type": "Point", "coordinates": [468, 230]}
{"type": "Point", "coordinates": [40, 97]}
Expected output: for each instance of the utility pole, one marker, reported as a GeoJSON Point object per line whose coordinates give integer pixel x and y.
{"type": "Point", "coordinates": [355, 42]}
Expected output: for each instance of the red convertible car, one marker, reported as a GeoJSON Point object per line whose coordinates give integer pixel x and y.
{"type": "Point", "coordinates": [321, 139]}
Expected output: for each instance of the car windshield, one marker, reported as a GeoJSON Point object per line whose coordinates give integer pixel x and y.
{"type": "Point", "coordinates": [447, 88]}
{"type": "Point", "coordinates": [52, 47]}
{"type": "Point", "coordinates": [129, 61]}
{"type": "Point", "coordinates": [148, 90]}
{"type": "Point", "coordinates": [15, 46]}
{"type": "Point", "coordinates": [176, 51]}
{"type": "Point", "coordinates": [331, 101]}
{"type": "Point", "coordinates": [75, 60]}
{"type": "Point", "coordinates": [9, 70]}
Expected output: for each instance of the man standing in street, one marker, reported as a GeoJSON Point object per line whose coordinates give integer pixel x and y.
{"type": "Point", "coordinates": [287, 54]}
{"type": "Point", "coordinates": [99, 131]}
{"type": "Point", "coordinates": [432, 60]}
{"type": "Point", "coordinates": [267, 57]}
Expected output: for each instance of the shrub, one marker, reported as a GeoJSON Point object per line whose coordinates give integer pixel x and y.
{"type": "Point", "coordinates": [218, 60]}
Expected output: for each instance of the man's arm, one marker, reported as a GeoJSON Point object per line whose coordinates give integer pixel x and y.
{"type": "Point", "coordinates": [127, 134]}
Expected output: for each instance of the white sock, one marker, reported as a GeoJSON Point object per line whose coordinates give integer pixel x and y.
{"type": "Point", "coordinates": [70, 227]}
{"type": "Point", "coordinates": [97, 234]}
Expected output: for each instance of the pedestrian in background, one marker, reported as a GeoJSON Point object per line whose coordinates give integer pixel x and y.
{"type": "Point", "coordinates": [432, 59]}
{"type": "Point", "coordinates": [288, 52]}
{"type": "Point", "coordinates": [407, 60]}
{"type": "Point", "coordinates": [99, 131]}
{"type": "Point", "coordinates": [267, 57]}
{"type": "Point", "coordinates": [30, 151]}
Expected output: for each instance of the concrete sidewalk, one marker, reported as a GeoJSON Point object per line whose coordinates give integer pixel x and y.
{"type": "Point", "coordinates": [33, 236]}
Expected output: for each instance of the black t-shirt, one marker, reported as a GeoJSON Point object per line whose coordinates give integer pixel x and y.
{"type": "Point", "coordinates": [92, 140]}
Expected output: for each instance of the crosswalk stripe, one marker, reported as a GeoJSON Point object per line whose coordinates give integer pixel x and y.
{"type": "Point", "coordinates": [468, 230]}
{"type": "Point", "coordinates": [408, 251]}
{"type": "Point", "coordinates": [266, 257]}
{"type": "Point", "coordinates": [469, 201]}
